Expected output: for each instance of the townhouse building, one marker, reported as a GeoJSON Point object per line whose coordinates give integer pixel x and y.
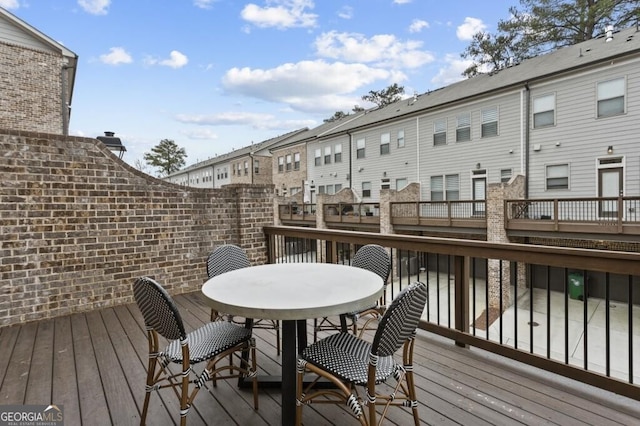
{"type": "Point", "coordinates": [567, 121]}
{"type": "Point", "coordinates": [250, 164]}
{"type": "Point", "coordinates": [38, 76]}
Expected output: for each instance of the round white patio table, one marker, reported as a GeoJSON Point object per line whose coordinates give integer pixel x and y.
{"type": "Point", "coordinates": [293, 293]}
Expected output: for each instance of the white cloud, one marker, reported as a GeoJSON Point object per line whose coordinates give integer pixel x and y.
{"type": "Point", "coordinates": [452, 71]}
{"type": "Point", "coordinates": [116, 56]}
{"type": "Point", "coordinates": [95, 7]}
{"type": "Point", "coordinates": [418, 25]}
{"type": "Point", "coordinates": [200, 134]}
{"type": "Point", "coordinates": [383, 49]}
{"type": "Point", "coordinates": [9, 4]}
{"type": "Point", "coordinates": [346, 12]}
{"type": "Point", "coordinates": [281, 14]}
{"type": "Point", "coordinates": [203, 4]}
{"type": "Point", "coordinates": [401, 1]}
{"type": "Point", "coordinates": [310, 86]}
{"type": "Point", "coordinates": [253, 120]}
{"type": "Point", "coordinates": [471, 26]}
{"type": "Point", "coordinates": [176, 60]}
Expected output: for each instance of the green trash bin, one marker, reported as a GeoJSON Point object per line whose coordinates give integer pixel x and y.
{"type": "Point", "coordinates": [576, 286]}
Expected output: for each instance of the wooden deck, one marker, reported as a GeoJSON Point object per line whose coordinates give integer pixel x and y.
{"type": "Point", "coordinates": [93, 365]}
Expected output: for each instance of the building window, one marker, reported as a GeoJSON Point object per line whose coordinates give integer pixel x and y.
{"type": "Point", "coordinates": [401, 183]}
{"type": "Point", "coordinates": [463, 127]}
{"type": "Point", "coordinates": [490, 122]}
{"type": "Point", "coordinates": [611, 97]}
{"type": "Point", "coordinates": [544, 111]}
{"type": "Point", "coordinates": [280, 164]}
{"type": "Point", "coordinates": [246, 168]}
{"type": "Point", "coordinates": [287, 164]}
{"type": "Point", "coordinates": [385, 183]}
{"type": "Point", "coordinates": [320, 189]}
{"type": "Point", "coordinates": [296, 161]}
{"type": "Point", "coordinates": [256, 167]}
{"type": "Point", "coordinates": [505, 175]}
{"type": "Point", "coordinates": [558, 176]}
{"type": "Point", "coordinates": [327, 155]}
{"type": "Point", "coordinates": [330, 190]}
{"type": "Point", "coordinates": [366, 189]}
{"type": "Point", "coordinates": [226, 173]}
{"type": "Point", "coordinates": [400, 138]}
{"type": "Point", "coordinates": [385, 139]}
{"type": "Point", "coordinates": [445, 187]}
{"type": "Point", "coordinates": [360, 148]}
{"type": "Point", "coordinates": [337, 187]}
{"type": "Point", "coordinates": [337, 153]}
{"type": "Point", "coordinates": [440, 132]}
{"type": "Point", "coordinates": [318, 155]}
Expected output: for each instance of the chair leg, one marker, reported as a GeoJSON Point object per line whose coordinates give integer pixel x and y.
{"type": "Point", "coordinates": [151, 368]}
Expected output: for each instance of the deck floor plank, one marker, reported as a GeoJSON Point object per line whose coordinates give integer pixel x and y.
{"type": "Point", "coordinates": [93, 402]}
{"type": "Point", "coordinates": [41, 372]}
{"type": "Point", "coordinates": [65, 384]}
{"type": "Point", "coordinates": [94, 365]}
{"type": "Point", "coordinates": [14, 384]}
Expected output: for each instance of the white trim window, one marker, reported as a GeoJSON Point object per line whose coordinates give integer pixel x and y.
{"type": "Point", "coordinates": [327, 155]}
{"type": "Point", "coordinates": [557, 176]}
{"type": "Point", "coordinates": [489, 122]}
{"type": "Point", "coordinates": [366, 189]}
{"type": "Point", "coordinates": [505, 175]}
{"type": "Point", "coordinates": [280, 164]}
{"type": "Point", "coordinates": [287, 166]}
{"type": "Point", "coordinates": [445, 187]}
{"type": "Point", "coordinates": [400, 138]}
{"type": "Point", "coordinates": [385, 140]}
{"type": "Point", "coordinates": [337, 153]}
{"type": "Point", "coordinates": [360, 145]}
{"type": "Point", "coordinates": [318, 157]}
{"type": "Point", "coordinates": [544, 111]}
{"type": "Point", "coordinates": [401, 183]}
{"type": "Point", "coordinates": [296, 161]}
{"type": "Point", "coordinates": [440, 132]}
{"type": "Point", "coordinates": [611, 97]}
{"type": "Point", "coordinates": [463, 127]}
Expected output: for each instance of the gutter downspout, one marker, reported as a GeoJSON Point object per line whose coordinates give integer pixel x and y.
{"type": "Point", "coordinates": [418, 152]}
{"type": "Point", "coordinates": [65, 108]}
{"type": "Point", "coordinates": [350, 160]}
{"type": "Point", "coordinates": [527, 99]}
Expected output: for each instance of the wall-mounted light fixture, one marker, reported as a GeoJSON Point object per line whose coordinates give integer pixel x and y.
{"type": "Point", "coordinates": [510, 151]}
{"type": "Point", "coordinates": [361, 169]}
{"type": "Point", "coordinates": [478, 165]}
{"type": "Point", "coordinates": [384, 174]}
{"type": "Point", "coordinates": [558, 143]}
{"type": "Point", "coordinates": [610, 149]}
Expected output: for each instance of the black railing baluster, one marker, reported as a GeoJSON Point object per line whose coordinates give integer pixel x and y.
{"type": "Point", "coordinates": [607, 321]}
{"type": "Point", "coordinates": [566, 317]}
{"type": "Point", "coordinates": [548, 312]}
{"type": "Point", "coordinates": [630, 319]}
{"type": "Point", "coordinates": [585, 319]}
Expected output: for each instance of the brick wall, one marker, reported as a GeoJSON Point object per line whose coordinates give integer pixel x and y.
{"type": "Point", "coordinates": [79, 225]}
{"type": "Point", "coordinates": [30, 90]}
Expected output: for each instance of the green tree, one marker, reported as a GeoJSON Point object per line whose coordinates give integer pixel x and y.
{"type": "Point", "coordinates": [386, 96]}
{"type": "Point", "coordinates": [167, 157]}
{"type": "Point", "coordinates": [339, 115]}
{"type": "Point", "coordinates": [542, 26]}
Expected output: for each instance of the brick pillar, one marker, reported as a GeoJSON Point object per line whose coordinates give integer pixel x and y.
{"type": "Point", "coordinates": [501, 271]}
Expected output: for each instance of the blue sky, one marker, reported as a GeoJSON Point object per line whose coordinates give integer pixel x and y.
{"type": "Point", "coordinates": [214, 75]}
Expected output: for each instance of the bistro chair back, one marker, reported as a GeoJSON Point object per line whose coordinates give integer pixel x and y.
{"type": "Point", "coordinates": [349, 362]}
{"type": "Point", "coordinates": [226, 258]}
{"type": "Point", "coordinates": [371, 257]}
{"type": "Point", "coordinates": [210, 343]}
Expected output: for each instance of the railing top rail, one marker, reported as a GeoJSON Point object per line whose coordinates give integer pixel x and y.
{"type": "Point", "coordinates": [574, 258]}
{"type": "Point", "coordinates": [537, 200]}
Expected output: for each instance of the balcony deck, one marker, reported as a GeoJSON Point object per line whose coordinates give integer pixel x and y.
{"type": "Point", "coordinates": [93, 365]}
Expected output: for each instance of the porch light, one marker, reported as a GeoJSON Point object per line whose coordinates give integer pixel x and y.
{"type": "Point", "coordinates": [610, 149]}
{"type": "Point", "coordinates": [113, 143]}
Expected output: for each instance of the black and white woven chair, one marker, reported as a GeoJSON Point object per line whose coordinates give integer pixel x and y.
{"type": "Point", "coordinates": [210, 344]}
{"type": "Point", "coordinates": [375, 259]}
{"type": "Point", "coordinates": [350, 362]}
{"type": "Point", "coordinates": [229, 257]}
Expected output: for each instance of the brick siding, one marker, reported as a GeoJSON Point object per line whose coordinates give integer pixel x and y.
{"type": "Point", "coordinates": [30, 86]}
{"type": "Point", "coordinates": [79, 225]}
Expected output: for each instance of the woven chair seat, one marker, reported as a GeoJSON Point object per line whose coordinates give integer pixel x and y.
{"type": "Point", "coordinates": [208, 341]}
{"type": "Point", "coordinates": [347, 357]}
